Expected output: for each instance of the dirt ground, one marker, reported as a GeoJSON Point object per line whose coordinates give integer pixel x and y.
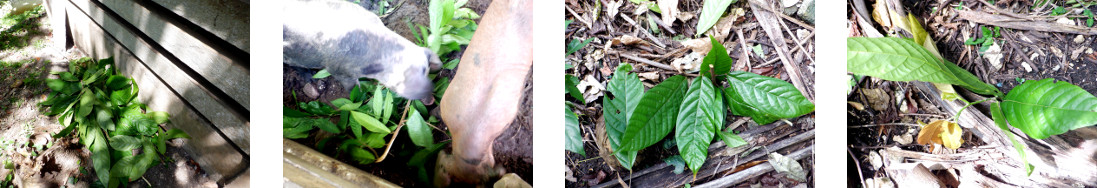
{"type": "Point", "coordinates": [611, 24]}
{"type": "Point", "coordinates": [513, 148]}
{"type": "Point", "coordinates": [883, 114]}
{"type": "Point", "coordinates": [39, 159]}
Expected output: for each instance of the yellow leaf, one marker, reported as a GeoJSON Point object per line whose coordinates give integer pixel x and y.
{"type": "Point", "coordinates": [941, 132]}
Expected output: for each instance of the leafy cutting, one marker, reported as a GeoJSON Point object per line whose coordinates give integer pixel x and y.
{"type": "Point", "coordinates": [99, 106]}
{"type": "Point", "coordinates": [1040, 109]}
{"type": "Point", "coordinates": [695, 109]}
{"type": "Point", "coordinates": [363, 120]}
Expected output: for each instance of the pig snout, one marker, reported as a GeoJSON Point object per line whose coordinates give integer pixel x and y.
{"type": "Point", "coordinates": [484, 96]}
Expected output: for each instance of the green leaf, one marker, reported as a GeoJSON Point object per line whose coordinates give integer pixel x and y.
{"type": "Point", "coordinates": [572, 136]}
{"type": "Point", "coordinates": [323, 73]}
{"type": "Point", "coordinates": [576, 45]}
{"type": "Point", "coordinates": [764, 99]}
{"type": "Point", "coordinates": [627, 91]}
{"type": "Point", "coordinates": [898, 59]}
{"type": "Point", "coordinates": [711, 11]}
{"type": "Point", "coordinates": [122, 97]}
{"type": "Point", "coordinates": [717, 61]}
{"type": "Point", "coordinates": [117, 82]}
{"type": "Point", "coordinates": [324, 124]}
{"type": "Point", "coordinates": [570, 85]}
{"type": "Point", "coordinates": [731, 139]}
{"type": "Point", "coordinates": [1044, 108]}
{"type": "Point", "coordinates": [451, 64]}
{"type": "Point", "coordinates": [1000, 120]}
{"type": "Point", "coordinates": [701, 113]}
{"type": "Point", "coordinates": [369, 122]}
{"type": "Point", "coordinates": [159, 117]}
{"type": "Point", "coordinates": [676, 161]}
{"type": "Point", "coordinates": [124, 143]}
{"type": "Point", "coordinates": [100, 154]}
{"type": "Point", "coordinates": [56, 85]}
{"type": "Point", "coordinates": [87, 102]}
{"type": "Point", "coordinates": [286, 111]}
{"type": "Point", "coordinates": [363, 156]}
{"type": "Point", "coordinates": [656, 114]}
{"type": "Point", "coordinates": [345, 104]}
{"type": "Point", "coordinates": [175, 133]}
{"type": "Point", "coordinates": [418, 130]}
{"type": "Point", "coordinates": [103, 117]}
{"type": "Point", "coordinates": [422, 156]}
{"type": "Point", "coordinates": [375, 140]}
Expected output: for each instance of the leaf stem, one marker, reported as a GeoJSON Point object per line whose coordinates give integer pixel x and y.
{"type": "Point", "coordinates": [394, 134]}
{"type": "Point", "coordinates": [956, 118]}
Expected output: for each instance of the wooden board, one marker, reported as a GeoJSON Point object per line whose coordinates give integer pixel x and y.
{"type": "Point", "coordinates": [216, 67]}
{"type": "Point", "coordinates": [216, 155]}
{"type": "Point", "coordinates": [228, 19]}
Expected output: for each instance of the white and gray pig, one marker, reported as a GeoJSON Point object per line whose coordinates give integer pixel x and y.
{"type": "Point", "coordinates": [352, 42]}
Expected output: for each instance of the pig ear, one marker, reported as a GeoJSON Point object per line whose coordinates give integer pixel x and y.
{"type": "Point", "coordinates": [432, 60]}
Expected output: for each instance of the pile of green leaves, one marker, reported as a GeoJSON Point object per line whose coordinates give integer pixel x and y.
{"type": "Point", "coordinates": [1038, 108]}
{"type": "Point", "coordinates": [368, 118]}
{"type": "Point", "coordinates": [98, 104]}
{"type": "Point", "coordinates": [694, 110]}
{"type": "Point", "coordinates": [987, 39]}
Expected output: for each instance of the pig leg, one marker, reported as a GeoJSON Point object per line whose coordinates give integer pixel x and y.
{"type": "Point", "coordinates": [486, 91]}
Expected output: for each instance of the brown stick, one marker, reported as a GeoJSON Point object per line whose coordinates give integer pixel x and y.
{"type": "Point", "coordinates": [1015, 23]}
{"type": "Point", "coordinates": [394, 134]}
{"type": "Point", "coordinates": [773, 31]}
{"type": "Point", "coordinates": [649, 62]}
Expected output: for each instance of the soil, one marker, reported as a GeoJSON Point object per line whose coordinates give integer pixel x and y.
{"type": "Point", "coordinates": [597, 61]}
{"type": "Point", "coordinates": [513, 148]}
{"type": "Point", "coordinates": [1078, 70]}
{"type": "Point", "coordinates": [25, 62]}
{"type": "Point", "coordinates": [1047, 54]}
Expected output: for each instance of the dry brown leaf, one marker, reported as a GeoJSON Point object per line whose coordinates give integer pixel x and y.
{"type": "Point", "coordinates": [629, 40]}
{"type": "Point", "coordinates": [941, 132]}
{"type": "Point", "coordinates": [653, 75]}
{"type": "Point", "coordinates": [612, 8]}
{"type": "Point", "coordinates": [724, 25]}
{"type": "Point", "coordinates": [591, 88]}
{"type": "Point", "coordinates": [689, 63]}
{"type": "Point", "coordinates": [698, 45]}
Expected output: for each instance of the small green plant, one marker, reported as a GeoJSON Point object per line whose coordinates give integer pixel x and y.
{"type": "Point", "coordinates": [451, 26]}
{"type": "Point", "coordinates": [987, 39]}
{"type": "Point", "coordinates": [99, 107]}
{"type": "Point", "coordinates": [693, 110]}
{"type": "Point", "coordinates": [369, 119]}
{"type": "Point", "coordinates": [1089, 17]}
{"type": "Point", "coordinates": [1039, 108]}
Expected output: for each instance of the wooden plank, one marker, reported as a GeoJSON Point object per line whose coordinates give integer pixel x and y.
{"type": "Point", "coordinates": [218, 158]}
{"type": "Point", "coordinates": [220, 70]}
{"type": "Point", "coordinates": [228, 19]}
{"type": "Point", "coordinates": [230, 124]}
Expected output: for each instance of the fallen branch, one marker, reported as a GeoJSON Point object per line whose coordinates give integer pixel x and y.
{"type": "Point", "coordinates": [728, 181]}
{"type": "Point", "coordinates": [649, 62]}
{"type": "Point", "coordinates": [1015, 23]}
